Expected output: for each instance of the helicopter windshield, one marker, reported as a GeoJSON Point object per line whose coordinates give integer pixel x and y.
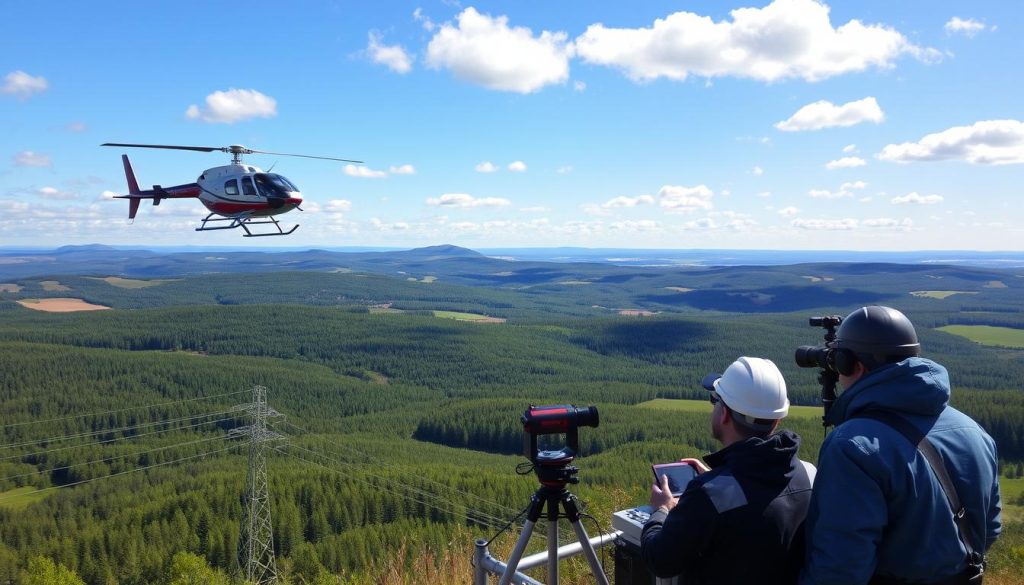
{"type": "Point", "coordinates": [274, 185]}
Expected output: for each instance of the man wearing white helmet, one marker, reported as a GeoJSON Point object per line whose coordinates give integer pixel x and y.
{"type": "Point", "coordinates": [742, 521]}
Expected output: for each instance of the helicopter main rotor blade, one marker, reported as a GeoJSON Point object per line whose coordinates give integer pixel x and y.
{"type": "Point", "coordinates": [306, 156]}
{"type": "Point", "coordinates": [167, 146]}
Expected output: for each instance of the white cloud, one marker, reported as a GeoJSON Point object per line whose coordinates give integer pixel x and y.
{"type": "Point", "coordinates": [764, 193]}
{"type": "Point", "coordinates": [233, 105]}
{"type": "Point", "coordinates": [595, 209]}
{"type": "Point", "coordinates": [789, 211]}
{"type": "Point", "coordinates": [22, 85]}
{"type": "Point", "coordinates": [397, 226]}
{"type": "Point", "coordinates": [825, 114]}
{"type": "Point", "coordinates": [109, 196]}
{"type": "Point", "coordinates": [988, 142]}
{"type": "Point", "coordinates": [564, 169]}
{"type": "Point", "coordinates": [402, 170]}
{"type": "Point", "coordinates": [888, 223]}
{"type": "Point", "coordinates": [485, 51]}
{"type": "Point", "coordinates": [845, 190]}
{"type": "Point", "coordinates": [676, 198]}
{"type": "Point", "coordinates": [704, 223]}
{"type": "Point", "coordinates": [623, 201]}
{"type": "Point", "coordinates": [517, 166]}
{"type": "Point", "coordinates": [825, 224]}
{"type": "Point", "coordinates": [850, 149]}
{"type": "Point", "coordinates": [338, 206]}
{"type": "Point", "coordinates": [424, 20]}
{"type": "Point", "coordinates": [393, 57]}
{"type": "Point", "coordinates": [464, 200]}
{"type": "Point", "coordinates": [579, 86]}
{"type": "Point", "coordinates": [55, 194]}
{"type": "Point", "coordinates": [758, 171]}
{"type": "Point", "coordinates": [76, 127]}
{"type": "Point", "coordinates": [536, 209]}
{"type": "Point", "coordinates": [740, 225]}
{"type": "Point", "coordinates": [486, 167]}
{"type": "Point", "coordinates": [917, 199]}
{"type": "Point", "coordinates": [968, 27]}
{"type": "Point", "coordinates": [643, 225]}
{"type": "Point", "coordinates": [786, 39]}
{"type": "Point", "coordinates": [847, 162]}
{"type": "Point", "coordinates": [28, 158]}
{"type": "Point", "coordinates": [363, 172]}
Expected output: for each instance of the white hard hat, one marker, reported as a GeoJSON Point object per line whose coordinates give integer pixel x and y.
{"type": "Point", "coordinates": [753, 387]}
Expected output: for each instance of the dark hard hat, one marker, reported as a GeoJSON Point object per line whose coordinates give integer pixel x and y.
{"type": "Point", "coordinates": [881, 332]}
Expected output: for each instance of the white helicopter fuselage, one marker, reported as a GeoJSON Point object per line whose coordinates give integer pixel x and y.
{"type": "Point", "coordinates": [245, 190]}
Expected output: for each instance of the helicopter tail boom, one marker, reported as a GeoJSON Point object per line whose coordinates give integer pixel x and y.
{"type": "Point", "coordinates": [157, 193]}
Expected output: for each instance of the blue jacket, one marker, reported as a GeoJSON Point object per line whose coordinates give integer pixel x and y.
{"type": "Point", "coordinates": [877, 507]}
{"type": "Point", "coordinates": [740, 523]}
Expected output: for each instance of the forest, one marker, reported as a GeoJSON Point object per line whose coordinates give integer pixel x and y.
{"type": "Point", "coordinates": [397, 432]}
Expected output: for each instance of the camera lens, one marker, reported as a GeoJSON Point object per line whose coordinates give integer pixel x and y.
{"type": "Point", "coordinates": [586, 417]}
{"type": "Point", "coordinates": [809, 356]}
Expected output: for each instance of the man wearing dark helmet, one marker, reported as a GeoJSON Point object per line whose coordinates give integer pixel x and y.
{"type": "Point", "coordinates": [907, 489]}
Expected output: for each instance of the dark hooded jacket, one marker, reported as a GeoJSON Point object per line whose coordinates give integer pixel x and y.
{"type": "Point", "coordinates": [741, 522]}
{"type": "Point", "coordinates": [877, 508]}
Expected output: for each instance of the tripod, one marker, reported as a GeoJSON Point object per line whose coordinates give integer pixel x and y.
{"type": "Point", "coordinates": [553, 473]}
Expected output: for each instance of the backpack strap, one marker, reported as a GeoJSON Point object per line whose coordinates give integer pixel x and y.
{"type": "Point", "coordinates": [936, 462]}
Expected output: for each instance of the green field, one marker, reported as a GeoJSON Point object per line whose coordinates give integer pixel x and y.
{"type": "Point", "coordinates": [989, 335]}
{"type": "Point", "coordinates": [1011, 490]}
{"type": "Point", "coordinates": [130, 282]}
{"type": "Point", "coordinates": [939, 294]}
{"type": "Point", "coordinates": [465, 316]}
{"type": "Point", "coordinates": [19, 498]}
{"type": "Point", "coordinates": [803, 412]}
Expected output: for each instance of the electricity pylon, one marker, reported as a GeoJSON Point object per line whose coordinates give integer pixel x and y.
{"type": "Point", "coordinates": [256, 535]}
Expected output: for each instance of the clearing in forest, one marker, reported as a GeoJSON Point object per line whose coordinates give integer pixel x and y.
{"type": "Point", "coordinates": [131, 282]}
{"type": "Point", "coordinates": [472, 317]}
{"type": "Point", "coordinates": [705, 407]}
{"type": "Point", "coordinates": [11, 288]}
{"type": "Point", "coordinates": [53, 285]}
{"type": "Point", "coordinates": [21, 497]}
{"type": "Point", "coordinates": [60, 305]}
{"type": "Point", "coordinates": [939, 294]}
{"type": "Point", "coordinates": [988, 335]}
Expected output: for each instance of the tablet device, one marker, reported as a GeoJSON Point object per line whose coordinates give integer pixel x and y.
{"type": "Point", "coordinates": [679, 474]}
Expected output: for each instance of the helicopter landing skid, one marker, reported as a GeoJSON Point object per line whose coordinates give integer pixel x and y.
{"type": "Point", "coordinates": [244, 223]}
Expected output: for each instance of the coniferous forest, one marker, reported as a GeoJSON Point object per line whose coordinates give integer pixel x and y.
{"type": "Point", "coordinates": [395, 432]}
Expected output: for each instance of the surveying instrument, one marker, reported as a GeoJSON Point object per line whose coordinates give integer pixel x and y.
{"type": "Point", "coordinates": [554, 471]}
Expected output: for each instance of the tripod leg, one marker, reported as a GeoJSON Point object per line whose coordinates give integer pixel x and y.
{"type": "Point", "coordinates": [536, 505]}
{"type": "Point", "coordinates": [573, 513]}
{"type": "Point", "coordinates": [553, 548]}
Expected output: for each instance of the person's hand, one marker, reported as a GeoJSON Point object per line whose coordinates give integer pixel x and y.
{"type": "Point", "coordinates": [661, 494]}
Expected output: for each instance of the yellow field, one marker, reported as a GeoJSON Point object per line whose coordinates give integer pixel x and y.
{"type": "Point", "coordinates": [988, 335]}
{"type": "Point", "coordinates": [19, 498]}
{"type": "Point", "coordinates": [705, 406]}
{"type": "Point", "coordinates": [130, 282]}
{"type": "Point", "coordinates": [11, 288]}
{"type": "Point", "coordinates": [60, 305]}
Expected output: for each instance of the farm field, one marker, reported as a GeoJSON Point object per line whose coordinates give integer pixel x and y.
{"type": "Point", "coordinates": [703, 406]}
{"type": "Point", "coordinates": [989, 335]}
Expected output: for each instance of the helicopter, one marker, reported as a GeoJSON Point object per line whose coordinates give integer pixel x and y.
{"type": "Point", "coordinates": [237, 194]}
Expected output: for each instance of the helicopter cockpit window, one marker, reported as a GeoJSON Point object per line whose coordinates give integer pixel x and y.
{"type": "Point", "coordinates": [247, 187]}
{"type": "Point", "coordinates": [231, 187]}
{"type": "Point", "coordinates": [273, 185]}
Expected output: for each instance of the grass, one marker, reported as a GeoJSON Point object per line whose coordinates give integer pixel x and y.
{"type": "Point", "coordinates": [939, 294]}
{"type": "Point", "coordinates": [53, 286]}
{"type": "Point", "coordinates": [20, 498]}
{"type": "Point", "coordinates": [988, 335]}
{"type": "Point", "coordinates": [130, 282]}
{"type": "Point", "coordinates": [703, 406]}
{"type": "Point", "coordinates": [467, 317]}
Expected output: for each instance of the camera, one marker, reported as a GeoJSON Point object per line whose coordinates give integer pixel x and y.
{"type": "Point", "coordinates": [555, 419]}
{"type": "Point", "coordinates": [821, 356]}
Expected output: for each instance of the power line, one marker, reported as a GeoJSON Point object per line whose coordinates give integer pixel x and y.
{"type": "Point", "coordinates": [114, 430]}
{"type": "Point", "coordinates": [111, 458]}
{"type": "Point", "coordinates": [33, 422]}
{"type": "Point", "coordinates": [109, 441]}
{"type": "Point", "coordinates": [56, 487]}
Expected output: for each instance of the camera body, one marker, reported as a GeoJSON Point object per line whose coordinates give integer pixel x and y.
{"type": "Point", "coordinates": [555, 419]}
{"type": "Point", "coordinates": [820, 356]}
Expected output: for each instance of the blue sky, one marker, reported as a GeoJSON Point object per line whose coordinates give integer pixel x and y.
{"type": "Point", "coordinates": [785, 125]}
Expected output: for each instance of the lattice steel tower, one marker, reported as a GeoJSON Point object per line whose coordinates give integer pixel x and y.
{"type": "Point", "coordinates": [256, 536]}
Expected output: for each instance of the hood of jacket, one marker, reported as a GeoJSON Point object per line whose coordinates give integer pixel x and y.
{"type": "Point", "coordinates": [915, 386]}
{"type": "Point", "coordinates": [759, 458]}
